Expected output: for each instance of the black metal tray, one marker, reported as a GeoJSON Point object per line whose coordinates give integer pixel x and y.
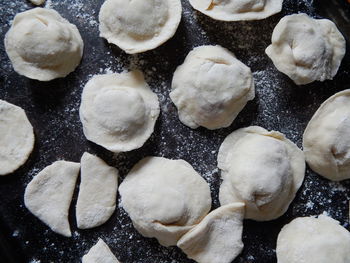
{"type": "Point", "coordinates": [52, 108]}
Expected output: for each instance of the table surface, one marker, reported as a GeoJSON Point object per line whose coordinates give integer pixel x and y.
{"type": "Point", "coordinates": [52, 107]}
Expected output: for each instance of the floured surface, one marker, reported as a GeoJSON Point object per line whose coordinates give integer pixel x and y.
{"type": "Point", "coordinates": [53, 109]}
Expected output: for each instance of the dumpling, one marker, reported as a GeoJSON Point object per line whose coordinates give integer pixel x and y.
{"type": "Point", "coordinates": [306, 49]}
{"type": "Point", "coordinates": [118, 111]}
{"type": "Point", "coordinates": [236, 10]}
{"type": "Point", "coordinates": [326, 139]}
{"type": "Point", "coordinates": [262, 169]}
{"type": "Point", "coordinates": [211, 87]}
{"type": "Point", "coordinates": [164, 198]}
{"type": "Point", "coordinates": [137, 26]}
{"type": "Point", "coordinates": [43, 45]}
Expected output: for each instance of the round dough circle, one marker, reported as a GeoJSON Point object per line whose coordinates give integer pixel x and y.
{"type": "Point", "coordinates": [306, 49]}
{"type": "Point", "coordinates": [43, 45]}
{"type": "Point", "coordinates": [164, 198]}
{"type": "Point", "coordinates": [211, 87]}
{"type": "Point", "coordinates": [262, 169]}
{"type": "Point", "coordinates": [313, 240]}
{"type": "Point", "coordinates": [326, 142]}
{"type": "Point", "coordinates": [118, 111]}
{"type": "Point", "coordinates": [16, 137]}
{"type": "Point", "coordinates": [237, 10]}
{"type": "Point", "coordinates": [137, 26]}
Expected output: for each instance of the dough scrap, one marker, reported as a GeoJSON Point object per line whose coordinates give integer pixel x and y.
{"type": "Point", "coordinates": [217, 238]}
{"type": "Point", "coordinates": [237, 10]}
{"type": "Point", "coordinates": [326, 142]}
{"type": "Point", "coordinates": [137, 26]}
{"type": "Point", "coordinates": [99, 253]}
{"type": "Point", "coordinates": [306, 49]}
{"type": "Point", "coordinates": [313, 240]}
{"type": "Point", "coordinates": [97, 192]}
{"type": "Point", "coordinates": [262, 169]}
{"type": "Point", "coordinates": [37, 2]}
{"type": "Point", "coordinates": [49, 194]}
{"type": "Point", "coordinates": [118, 111]}
{"type": "Point", "coordinates": [211, 87]}
{"type": "Point", "coordinates": [164, 198]}
{"type": "Point", "coordinates": [43, 45]}
{"type": "Point", "coordinates": [16, 137]}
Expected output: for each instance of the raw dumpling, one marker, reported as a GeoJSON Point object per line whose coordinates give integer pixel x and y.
{"type": "Point", "coordinates": [43, 45]}
{"type": "Point", "coordinates": [97, 192]}
{"type": "Point", "coordinates": [37, 2]}
{"type": "Point", "coordinates": [313, 240]}
{"type": "Point", "coordinates": [236, 10]}
{"type": "Point", "coordinates": [164, 198]}
{"type": "Point", "coordinates": [217, 238]}
{"type": "Point", "coordinates": [211, 87]}
{"type": "Point", "coordinates": [118, 111]}
{"type": "Point", "coordinates": [262, 169]}
{"type": "Point", "coordinates": [49, 194]}
{"type": "Point", "coordinates": [326, 139]}
{"type": "Point", "coordinates": [16, 137]}
{"type": "Point", "coordinates": [137, 26]}
{"type": "Point", "coordinates": [306, 49]}
{"type": "Point", "coordinates": [100, 253]}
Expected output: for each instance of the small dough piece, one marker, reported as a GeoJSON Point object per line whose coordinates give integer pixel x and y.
{"type": "Point", "coordinates": [137, 26]}
{"type": "Point", "coordinates": [97, 192]}
{"type": "Point", "coordinates": [237, 10]}
{"type": "Point", "coordinates": [217, 238]}
{"type": "Point", "coordinates": [37, 2]}
{"type": "Point", "coordinates": [306, 49]}
{"type": "Point", "coordinates": [211, 87]}
{"type": "Point", "coordinates": [262, 169]}
{"type": "Point", "coordinates": [313, 240]}
{"type": "Point", "coordinates": [43, 45]}
{"type": "Point", "coordinates": [326, 139]}
{"type": "Point", "coordinates": [49, 194]}
{"type": "Point", "coordinates": [99, 253]}
{"type": "Point", "coordinates": [164, 198]}
{"type": "Point", "coordinates": [16, 137]}
{"type": "Point", "coordinates": [118, 111]}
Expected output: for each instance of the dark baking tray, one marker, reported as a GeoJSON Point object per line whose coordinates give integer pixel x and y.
{"type": "Point", "coordinates": [52, 108]}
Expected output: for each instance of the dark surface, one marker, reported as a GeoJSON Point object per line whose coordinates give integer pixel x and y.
{"type": "Point", "coordinates": [52, 108]}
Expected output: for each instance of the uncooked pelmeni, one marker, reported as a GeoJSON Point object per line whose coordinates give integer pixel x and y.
{"type": "Point", "coordinates": [326, 142]}
{"type": "Point", "coordinates": [99, 253]}
{"type": "Point", "coordinates": [137, 26]}
{"type": "Point", "coordinates": [236, 10]}
{"type": "Point", "coordinates": [43, 45]}
{"type": "Point", "coordinates": [118, 111]}
{"type": "Point", "coordinates": [97, 192]}
{"type": "Point", "coordinates": [306, 49]}
{"type": "Point", "coordinates": [37, 2]}
{"type": "Point", "coordinates": [211, 87]}
{"type": "Point", "coordinates": [16, 137]}
{"type": "Point", "coordinates": [262, 169]}
{"type": "Point", "coordinates": [49, 194]}
{"type": "Point", "coordinates": [313, 240]}
{"type": "Point", "coordinates": [164, 198]}
{"type": "Point", "coordinates": [217, 238]}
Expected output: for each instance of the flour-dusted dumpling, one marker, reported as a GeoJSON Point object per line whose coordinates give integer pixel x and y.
{"type": "Point", "coordinates": [118, 111]}
{"type": "Point", "coordinates": [164, 198]}
{"type": "Point", "coordinates": [306, 49]}
{"type": "Point", "coordinates": [217, 238]}
{"type": "Point", "coordinates": [262, 169]}
{"type": "Point", "coordinates": [137, 26]}
{"type": "Point", "coordinates": [326, 140]}
{"type": "Point", "coordinates": [49, 194]}
{"type": "Point", "coordinates": [313, 240]}
{"type": "Point", "coordinates": [211, 87]}
{"type": "Point", "coordinates": [43, 45]}
{"type": "Point", "coordinates": [236, 10]}
{"type": "Point", "coordinates": [97, 192]}
{"type": "Point", "coordinates": [16, 137]}
{"type": "Point", "coordinates": [99, 253]}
